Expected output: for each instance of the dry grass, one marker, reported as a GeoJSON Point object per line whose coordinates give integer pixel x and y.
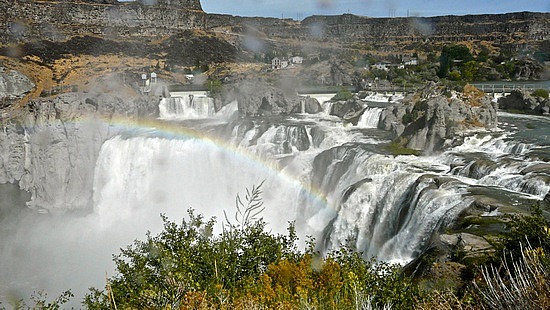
{"type": "Point", "coordinates": [473, 95]}
{"type": "Point", "coordinates": [519, 284]}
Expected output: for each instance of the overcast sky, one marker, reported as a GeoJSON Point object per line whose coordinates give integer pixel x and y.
{"type": "Point", "coordinates": [298, 9]}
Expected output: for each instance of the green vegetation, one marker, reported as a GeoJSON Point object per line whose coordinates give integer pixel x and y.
{"type": "Point", "coordinates": [187, 266]}
{"type": "Point", "coordinates": [542, 93]}
{"type": "Point", "coordinates": [215, 87]}
{"type": "Point", "coordinates": [342, 95]}
{"type": "Point", "coordinates": [397, 147]}
{"type": "Point", "coordinates": [451, 56]}
{"type": "Point", "coordinates": [40, 301]}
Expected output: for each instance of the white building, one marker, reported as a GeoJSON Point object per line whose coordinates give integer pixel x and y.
{"type": "Point", "coordinates": [276, 63]}
{"type": "Point", "coordinates": [296, 60]}
{"type": "Point", "coordinates": [381, 66]}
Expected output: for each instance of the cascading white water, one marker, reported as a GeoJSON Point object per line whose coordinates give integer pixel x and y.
{"type": "Point", "coordinates": [186, 105]}
{"type": "Point", "coordinates": [380, 201]}
{"type": "Point", "coordinates": [331, 179]}
{"type": "Point", "coordinates": [143, 176]}
{"type": "Point", "coordinates": [324, 101]}
{"type": "Point", "coordinates": [497, 167]}
{"type": "Point", "coordinates": [491, 145]}
{"type": "Point", "coordinates": [370, 118]}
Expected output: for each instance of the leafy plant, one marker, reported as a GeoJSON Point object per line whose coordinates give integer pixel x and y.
{"type": "Point", "coordinates": [247, 213]}
{"type": "Point", "coordinates": [541, 93]}
{"type": "Point", "coordinates": [342, 95]}
{"type": "Point", "coordinates": [40, 301]}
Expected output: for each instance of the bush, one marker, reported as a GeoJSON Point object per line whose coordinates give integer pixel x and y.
{"type": "Point", "coordinates": [342, 95]}
{"type": "Point", "coordinates": [541, 93]}
{"type": "Point", "coordinates": [188, 259]}
{"type": "Point", "coordinates": [186, 266]}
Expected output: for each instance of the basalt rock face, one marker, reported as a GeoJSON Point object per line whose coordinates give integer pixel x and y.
{"type": "Point", "coordinates": [13, 85]}
{"type": "Point", "coordinates": [519, 100]}
{"type": "Point", "coordinates": [50, 148]}
{"type": "Point", "coordinates": [347, 107]}
{"type": "Point", "coordinates": [513, 31]}
{"type": "Point", "coordinates": [257, 97]}
{"type": "Point", "coordinates": [429, 120]}
{"type": "Point", "coordinates": [27, 20]}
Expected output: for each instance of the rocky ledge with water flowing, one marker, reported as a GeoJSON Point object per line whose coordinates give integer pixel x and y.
{"type": "Point", "coordinates": [430, 119]}
{"type": "Point", "coordinates": [261, 98]}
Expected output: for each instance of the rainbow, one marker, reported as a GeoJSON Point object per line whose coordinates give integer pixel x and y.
{"type": "Point", "coordinates": [170, 130]}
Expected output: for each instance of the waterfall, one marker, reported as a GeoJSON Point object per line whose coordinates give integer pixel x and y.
{"type": "Point", "coordinates": [138, 177]}
{"type": "Point", "coordinates": [324, 100]}
{"type": "Point", "coordinates": [186, 106]}
{"type": "Point", "coordinates": [378, 201]}
{"type": "Point", "coordinates": [370, 118]}
{"type": "Point", "coordinates": [336, 182]}
{"type": "Point", "coordinates": [276, 140]}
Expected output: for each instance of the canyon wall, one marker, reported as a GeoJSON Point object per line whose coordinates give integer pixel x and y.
{"type": "Point", "coordinates": [25, 20]}
{"type": "Point", "coordinates": [22, 21]}
{"type": "Point", "coordinates": [513, 31]}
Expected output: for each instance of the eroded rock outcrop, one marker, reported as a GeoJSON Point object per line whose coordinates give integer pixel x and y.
{"type": "Point", "coordinates": [257, 97]}
{"type": "Point", "coordinates": [519, 100]}
{"type": "Point", "coordinates": [428, 119]}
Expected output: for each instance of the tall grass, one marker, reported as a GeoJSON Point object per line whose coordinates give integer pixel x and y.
{"type": "Point", "coordinates": [522, 283]}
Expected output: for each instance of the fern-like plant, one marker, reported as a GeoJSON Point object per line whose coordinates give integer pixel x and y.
{"type": "Point", "coordinates": [248, 211]}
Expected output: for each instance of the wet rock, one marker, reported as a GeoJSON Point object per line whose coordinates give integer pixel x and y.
{"type": "Point", "coordinates": [472, 244]}
{"type": "Point", "coordinates": [348, 108]}
{"type": "Point", "coordinates": [257, 97]}
{"type": "Point", "coordinates": [430, 118]}
{"type": "Point", "coordinates": [308, 105]}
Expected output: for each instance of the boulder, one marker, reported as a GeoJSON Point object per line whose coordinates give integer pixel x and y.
{"type": "Point", "coordinates": [258, 97]}
{"type": "Point", "coordinates": [308, 105]}
{"type": "Point", "coordinates": [520, 100]}
{"type": "Point", "coordinates": [348, 108]}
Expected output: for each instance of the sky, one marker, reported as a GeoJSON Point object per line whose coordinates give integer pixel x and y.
{"type": "Point", "coordinates": [299, 9]}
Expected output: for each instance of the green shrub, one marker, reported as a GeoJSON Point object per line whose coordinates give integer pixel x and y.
{"type": "Point", "coordinates": [188, 267]}
{"type": "Point", "coordinates": [342, 95]}
{"type": "Point", "coordinates": [541, 93]}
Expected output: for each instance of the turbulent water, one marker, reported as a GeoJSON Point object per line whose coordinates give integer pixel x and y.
{"type": "Point", "coordinates": [338, 184]}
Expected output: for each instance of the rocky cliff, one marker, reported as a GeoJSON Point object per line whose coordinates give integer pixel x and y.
{"type": "Point", "coordinates": [513, 31]}
{"type": "Point", "coordinates": [50, 147]}
{"type": "Point", "coordinates": [257, 97]}
{"type": "Point", "coordinates": [13, 85]}
{"type": "Point", "coordinates": [27, 20]}
{"type": "Point", "coordinates": [522, 101]}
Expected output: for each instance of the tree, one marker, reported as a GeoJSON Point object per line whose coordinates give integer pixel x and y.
{"type": "Point", "coordinates": [451, 55]}
{"type": "Point", "coordinates": [542, 93]}
{"type": "Point", "coordinates": [189, 260]}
